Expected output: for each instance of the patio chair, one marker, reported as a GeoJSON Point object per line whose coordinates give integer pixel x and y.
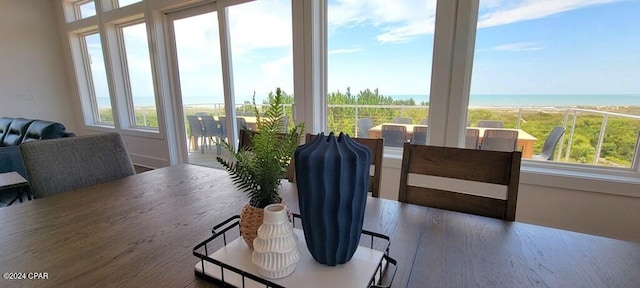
{"type": "Point", "coordinates": [493, 167]}
{"type": "Point", "coordinates": [490, 124]}
{"type": "Point", "coordinates": [242, 124]}
{"type": "Point", "coordinates": [403, 120]}
{"type": "Point", "coordinates": [549, 146]}
{"type": "Point", "coordinates": [420, 135]}
{"type": "Point", "coordinates": [212, 132]}
{"type": "Point", "coordinates": [364, 124]}
{"type": "Point", "coordinates": [60, 165]}
{"type": "Point", "coordinates": [196, 130]}
{"type": "Point", "coordinates": [471, 138]}
{"type": "Point", "coordinates": [424, 121]}
{"type": "Point", "coordinates": [499, 140]}
{"type": "Point", "coordinates": [394, 135]}
{"type": "Point", "coordinates": [377, 147]}
{"type": "Point", "coordinates": [222, 120]}
{"type": "Point", "coordinates": [283, 126]}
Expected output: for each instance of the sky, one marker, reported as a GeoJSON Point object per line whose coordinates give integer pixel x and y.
{"type": "Point", "coordinates": [522, 47]}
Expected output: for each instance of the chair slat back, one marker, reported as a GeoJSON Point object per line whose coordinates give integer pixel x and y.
{"type": "Point", "coordinates": [499, 140]}
{"type": "Point", "coordinates": [494, 167]}
{"type": "Point", "coordinates": [471, 138]}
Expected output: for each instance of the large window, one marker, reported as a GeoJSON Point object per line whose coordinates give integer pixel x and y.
{"type": "Point", "coordinates": [379, 64]}
{"type": "Point", "coordinates": [140, 78]}
{"type": "Point", "coordinates": [542, 64]}
{"type": "Point", "coordinates": [85, 9]}
{"type": "Point", "coordinates": [97, 80]}
{"type": "Point", "coordinates": [262, 52]}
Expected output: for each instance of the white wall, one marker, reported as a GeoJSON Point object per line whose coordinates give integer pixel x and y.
{"type": "Point", "coordinates": [33, 82]}
{"type": "Point", "coordinates": [600, 208]}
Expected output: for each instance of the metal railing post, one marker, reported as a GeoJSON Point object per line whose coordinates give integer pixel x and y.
{"type": "Point", "coordinates": [356, 124]}
{"type": "Point", "coordinates": [564, 124]}
{"type": "Point", "coordinates": [573, 128]}
{"type": "Point", "coordinates": [603, 128]}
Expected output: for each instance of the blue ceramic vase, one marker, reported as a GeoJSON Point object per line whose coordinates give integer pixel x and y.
{"type": "Point", "coordinates": [332, 176]}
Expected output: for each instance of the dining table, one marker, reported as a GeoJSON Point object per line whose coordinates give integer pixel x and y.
{"type": "Point", "coordinates": [140, 231]}
{"type": "Point", "coordinates": [525, 140]}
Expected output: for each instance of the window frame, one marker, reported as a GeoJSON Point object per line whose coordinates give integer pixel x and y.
{"type": "Point", "coordinates": [454, 47]}
{"type": "Point", "coordinates": [78, 11]}
{"type": "Point", "coordinates": [89, 79]}
{"type": "Point", "coordinates": [126, 76]}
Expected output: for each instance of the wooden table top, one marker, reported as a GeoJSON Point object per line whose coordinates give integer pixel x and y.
{"type": "Point", "coordinates": [139, 232]}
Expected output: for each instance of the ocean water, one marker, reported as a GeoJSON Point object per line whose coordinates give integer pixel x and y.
{"type": "Point", "coordinates": [564, 100]}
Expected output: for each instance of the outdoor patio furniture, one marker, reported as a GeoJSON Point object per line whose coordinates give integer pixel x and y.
{"type": "Point", "coordinates": [549, 146]}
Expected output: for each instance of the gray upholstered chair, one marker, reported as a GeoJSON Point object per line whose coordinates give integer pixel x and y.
{"type": "Point", "coordinates": [60, 165]}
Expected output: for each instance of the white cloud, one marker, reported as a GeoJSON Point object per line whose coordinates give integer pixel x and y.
{"type": "Point", "coordinates": [407, 32]}
{"type": "Point", "coordinates": [344, 51]}
{"type": "Point", "coordinates": [400, 21]}
{"type": "Point", "coordinates": [403, 20]}
{"type": "Point", "coordinates": [260, 24]}
{"type": "Point", "coordinates": [507, 12]}
{"type": "Point", "coordinates": [520, 46]}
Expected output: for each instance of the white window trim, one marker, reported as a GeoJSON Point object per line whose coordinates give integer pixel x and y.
{"type": "Point", "coordinates": [128, 97]}
{"type": "Point", "coordinates": [451, 79]}
{"type": "Point", "coordinates": [88, 76]}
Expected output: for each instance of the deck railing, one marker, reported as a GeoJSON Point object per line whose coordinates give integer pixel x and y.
{"type": "Point", "coordinates": [344, 118]}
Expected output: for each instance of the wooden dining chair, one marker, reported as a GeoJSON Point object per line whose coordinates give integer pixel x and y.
{"type": "Point", "coordinates": [471, 138]}
{"type": "Point", "coordinates": [377, 147]}
{"type": "Point", "coordinates": [60, 165]}
{"type": "Point", "coordinates": [478, 166]}
{"type": "Point", "coordinates": [499, 140]}
{"type": "Point", "coordinates": [394, 135]}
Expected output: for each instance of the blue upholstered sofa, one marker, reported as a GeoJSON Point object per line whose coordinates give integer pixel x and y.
{"type": "Point", "coordinates": [15, 131]}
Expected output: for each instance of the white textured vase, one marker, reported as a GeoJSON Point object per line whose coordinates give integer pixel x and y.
{"type": "Point", "coordinates": [275, 249]}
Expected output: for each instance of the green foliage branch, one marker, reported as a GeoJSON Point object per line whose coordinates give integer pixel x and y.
{"type": "Point", "coordinates": [258, 168]}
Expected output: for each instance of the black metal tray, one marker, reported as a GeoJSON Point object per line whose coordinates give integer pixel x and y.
{"type": "Point", "coordinates": [233, 275]}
